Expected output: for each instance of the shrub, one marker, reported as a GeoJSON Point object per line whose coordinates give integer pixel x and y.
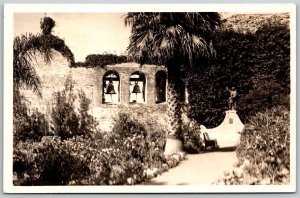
{"type": "Point", "coordinates": [264, 150]}
{"type": "Point", "coordinates": [23, 164]}
{"type": "Point", "coordinates": [87, 123]}
{"type": "Point", "coordinates": [27, 125]}
{"type": "Point", "coordinates": [58, 165]}
{"type": "Point", "coordinates": [110, 159]}
{"type": "Point", "coordinates": [31, 127]}
{"type": "Point", "coordinates": [66, 121]}
{"type": "Point", "coordinates": [264, 95]}
{"type": "Point", "coordinates": [49, 162]}
{"type": "Point", "coordinates": [156, 144]}
{"type": "Point", "coordinates": [114, 166]}
{"type": "Point", "coordinates": [155, 140]}
{"type": "Point", "coordinates": [127, 125]}
{"type": "Point", "coordinates": [133, 148]}
{"type": "Point", "coordinates": [143, 139]}
{"type": "Point", "coordinates": [192, 141]}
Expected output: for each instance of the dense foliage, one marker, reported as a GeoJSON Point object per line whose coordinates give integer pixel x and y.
{"type": "Point", "coordinates": [101, 60]}
{"type": "Point", "coordinates": [133, 148]}
{"type": "Point", "coordinates": [191, 138]}
{"type": "Point", "coordinates": [48, 162]}
{"type": "Point", "coordinates": [264, 150]}
{"type": "Point", "coordinates": [257, 64]}
{"type": "Point", "coordinates": [101, 159]}
{"type": "Point", "coordinates": [28, 124]}
{"type": "Point", "coordinates": [46, 25]}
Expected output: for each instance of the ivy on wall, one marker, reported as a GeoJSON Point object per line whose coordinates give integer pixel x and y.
{"type": "Point", "coordinates": [101, 60]}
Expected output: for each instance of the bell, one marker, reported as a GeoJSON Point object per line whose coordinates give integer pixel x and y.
{"type": "Point", "coordinates": [136, 88]}
{"type": "Point", "coordinates": [110, 89]}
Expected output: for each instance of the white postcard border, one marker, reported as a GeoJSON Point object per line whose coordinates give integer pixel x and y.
{"type": "Point", "coordinates": [10, 9]}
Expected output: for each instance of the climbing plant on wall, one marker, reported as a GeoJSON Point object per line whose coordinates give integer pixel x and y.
{"type": "Point", "coordinates": [101, 60]}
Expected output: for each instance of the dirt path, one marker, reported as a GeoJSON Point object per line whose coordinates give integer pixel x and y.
{"type": "Point", "coordinates": [202, 168]}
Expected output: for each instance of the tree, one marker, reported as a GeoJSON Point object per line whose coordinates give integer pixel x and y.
{"type": "Point", "coordinates": [25, 51]}
{"type": "Point", "coordinates": [178, 41]}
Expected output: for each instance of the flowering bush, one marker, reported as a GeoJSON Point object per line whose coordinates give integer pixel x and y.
{"type": "Point", "coordinates": [264, 150]}
{"type": "Point", "coordinates": [113, 167]}
{"type": "Point", "coordinates": [132, 153]}
{"type": "Point", "coordinates": [141, 143]}
{"type": "Point", "coordinates": [48, 162]}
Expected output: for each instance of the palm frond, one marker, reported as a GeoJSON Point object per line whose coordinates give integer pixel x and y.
{"type": "Point", "coordinates": [44, 44]}
{"type": "Point", "coordinates": [25, 49]}
{"type": "Point", "coordinates": [23, 72]}
{"type": "Point", "coordinates": [160, 37]}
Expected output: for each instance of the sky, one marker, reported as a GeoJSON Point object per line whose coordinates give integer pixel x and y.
{"type": "Point", "coordinates": [84, 33]}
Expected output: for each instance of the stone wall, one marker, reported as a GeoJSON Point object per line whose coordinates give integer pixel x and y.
{"type": "Point", "coordinates": [54, 75]}
{"type": "Point", "coordinates": [106, 112]}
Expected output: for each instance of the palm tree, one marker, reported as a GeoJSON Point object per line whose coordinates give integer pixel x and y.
{"type": "Point", "coordinates": [25, 51]}
{"type": "Point", "coordinates": [178, 41]}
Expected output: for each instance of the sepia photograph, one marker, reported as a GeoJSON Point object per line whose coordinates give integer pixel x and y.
{"type": "Point", "coordinates": [149, 99]}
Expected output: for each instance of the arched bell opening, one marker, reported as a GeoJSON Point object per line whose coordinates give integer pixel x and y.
{"type": "Point", "coordinates": [161, 87]}
{"type": "Point", "coordinates": [137, 87]}
{"type": "Point", "coordinates": [111, 87]}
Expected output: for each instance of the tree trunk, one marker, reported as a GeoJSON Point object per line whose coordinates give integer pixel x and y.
{"type": "Point", "coordinates": [186, 94]}
{"type": "Point", "coordinates": [174, 122]}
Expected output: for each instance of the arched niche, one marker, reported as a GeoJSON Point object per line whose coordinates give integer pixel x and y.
{"type": "Point", "coordinates": [161, 86]}
{"type": "Point", "coordinates": [111, 87]}
{"type": "Point", "coordinates": [137, 87]}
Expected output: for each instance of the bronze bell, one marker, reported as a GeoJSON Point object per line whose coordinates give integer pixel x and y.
{"type": "Point", "coordinates": [110, 88]}
{"type": "Point", "coordinates": [136, 88]}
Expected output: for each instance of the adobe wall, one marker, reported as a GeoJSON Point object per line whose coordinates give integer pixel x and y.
{"type": "Point", "coordinates": [54, 75]}
{"type": "Point", "coordinates": [106, 112]}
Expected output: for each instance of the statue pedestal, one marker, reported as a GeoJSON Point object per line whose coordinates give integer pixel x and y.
{"type": "Point", "coordinates": [231, 122]}
{"type": "Point", "coordinates": [228, 132]}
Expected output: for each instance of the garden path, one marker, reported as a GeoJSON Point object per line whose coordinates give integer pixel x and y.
{"type": "Point", "coordinates": [201, 169]}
